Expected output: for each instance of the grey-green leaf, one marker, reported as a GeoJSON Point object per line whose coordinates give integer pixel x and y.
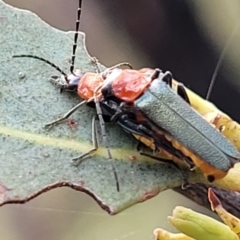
{"type": "Point", "coordinates": [33, 160]}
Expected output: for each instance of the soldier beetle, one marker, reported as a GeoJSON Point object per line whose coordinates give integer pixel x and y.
{"type": "Point", "coordinates": [143, 103]}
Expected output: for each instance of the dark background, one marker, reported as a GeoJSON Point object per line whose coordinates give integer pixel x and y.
{"type": "Point", "coordinates": [183, 36]}
{"type": "Point", "coordinates": [172, 36]}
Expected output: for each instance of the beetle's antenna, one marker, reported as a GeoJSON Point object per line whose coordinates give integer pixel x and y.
{"type": "Point", "coordinates": [79, 10]}
{"type": "Point", "coordinates": [73, 50]}
{"type": "Point", "coordinates": [41, 59]}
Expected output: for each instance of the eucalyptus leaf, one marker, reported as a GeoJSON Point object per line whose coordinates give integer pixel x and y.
{"type": "Point", "coordinates": [33, 160]}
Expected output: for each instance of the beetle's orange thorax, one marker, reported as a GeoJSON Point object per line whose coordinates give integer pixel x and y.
{"type": "Point", "coordinates": [128, 84]}
{"type": "Point", "coordinates": [88, 84]}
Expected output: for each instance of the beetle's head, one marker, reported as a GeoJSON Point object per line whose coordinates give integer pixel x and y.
{"type": "Point", "coordinates": [68, 82]}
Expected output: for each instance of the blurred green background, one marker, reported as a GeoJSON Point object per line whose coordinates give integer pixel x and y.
{"type": "Point", "coordinates": [185, 37]}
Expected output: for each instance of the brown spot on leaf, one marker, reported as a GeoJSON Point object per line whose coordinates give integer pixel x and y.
{"type": "Point", "coordinates": [3, 191]}
{"type": "Point", "coordinates": [148, 195]}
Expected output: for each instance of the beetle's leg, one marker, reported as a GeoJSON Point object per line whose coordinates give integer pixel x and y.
{"type": "Point", "coordinates": [104, 134]}
{"type": "Point", "coordinates": [183, 173]}
{"type": "Point", "coordinates": [156, 73]}
{"type": "Point", "coordinates": [167, 78]}
{"type": "Point", "coordinates": [78, 160]}
{"type": "Point", "coordinates": [65, 116]}
{"type": "Point", "coordinates": [123, 64]}
{"type": "Point", "coordinates": [119, 111]}
{"type": "Point", "coordinates": [95, 61]}
{"type": "Point", "coordinates": [182, 93]}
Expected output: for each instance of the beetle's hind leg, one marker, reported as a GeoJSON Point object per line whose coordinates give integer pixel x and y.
{"type": "Point", "coordinates": [183, 173]}
{"type": "Point", "coordinates": [181, 91]}
{"type": "Point", "coordinates": [167, 78]}
{"type": "Point", "coordinates": [79, 159]}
